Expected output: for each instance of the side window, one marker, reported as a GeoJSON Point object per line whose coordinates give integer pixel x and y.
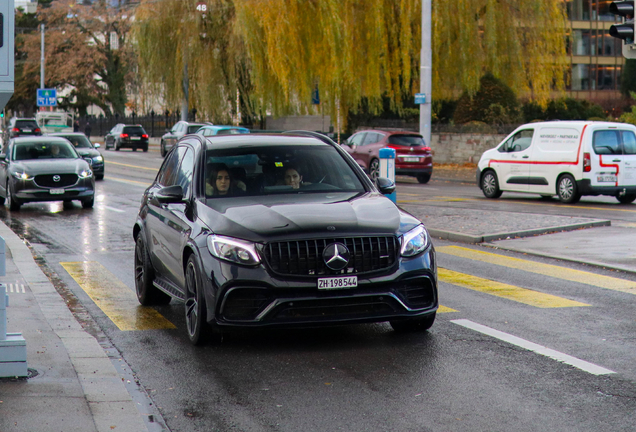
{"type": "Point", "coordinates": [167, 175]}
{"type": "Point", "coordinates": [357, 139]}
{"type": "Point", "coordinates": [371, 138]}
{"type": "Point", "coordinates": [186, 169]}
{"type": "Point", "coordinates": [629, 142]}
{"type": "Point", "coordinates": [606, 142]}
{"type": "Point", "coordinates": [518, 142]}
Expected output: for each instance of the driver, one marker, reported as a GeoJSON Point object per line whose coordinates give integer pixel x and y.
{"type": "Point", "coordinates": [293, 177]}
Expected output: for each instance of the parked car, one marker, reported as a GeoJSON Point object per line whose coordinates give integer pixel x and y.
{"type": "Point", "coordinates": [207, 131]}
{"type": "Point", "coordinates": [179, 130]}
{"type": "Point", "coordinates": [566, 158]}
{"type": "Point", "coordinates": [21, 127]}
{"type": "Point", "coordinates": [123, 135]}
{"type": "Point", "coordinates": [87, 150]}
{"type": "Point", "coordinates": [413, 157]}
{"type": "Point", "coordinates": [279, 251]}
{"type": "Point", "coordinates": [44, 169]}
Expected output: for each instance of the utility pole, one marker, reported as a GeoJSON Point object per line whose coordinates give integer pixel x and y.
{"type": "Point", "coordinates": [42, 56]}
{"type": "Point", "coordinates": [426, 73]}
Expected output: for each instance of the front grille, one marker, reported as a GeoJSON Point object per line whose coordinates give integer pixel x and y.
{"type": "Point", "coordinates": [304, 257]}
{"type": "Point", "coordinates": [46, 180]}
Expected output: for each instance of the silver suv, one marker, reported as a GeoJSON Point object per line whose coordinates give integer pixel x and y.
{"type": "Point", "coordinates": [180, 129]}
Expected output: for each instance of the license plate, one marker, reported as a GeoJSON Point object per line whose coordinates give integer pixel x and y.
{"type": "Point", "coordinates": [338, 282]}
{"type": "Point", "coordinates": [56, 191]}
{"type": "Point", "coordinates": [606, 178]}
{"type": "Point", "coordinates": [411, 159]}
{"type": "Point", "coordinates": [26, 130]}
{"type": "Point", "coordinates": [135, 138]}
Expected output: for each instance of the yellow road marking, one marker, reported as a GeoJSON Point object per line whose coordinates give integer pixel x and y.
{"type": "Point", "coordinates": [510, 292]}
{"type": "Point", "coordinates": [114, 298]}
{"type": "Point", "coordinates": [564, 273]}
{"type": "Point", "coordinates": [445, 309]}
{"type": "Point", "coordinates": [132, 166]}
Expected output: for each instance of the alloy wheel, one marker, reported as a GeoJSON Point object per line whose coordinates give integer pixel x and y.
{"type": "Point", "coordinates": [374, 169]}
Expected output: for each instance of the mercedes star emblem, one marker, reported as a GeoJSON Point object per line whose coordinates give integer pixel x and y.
{"type": "Point", "coordinates": [336, 256]}
{"type": "Point", "coordinates": [56, 178]}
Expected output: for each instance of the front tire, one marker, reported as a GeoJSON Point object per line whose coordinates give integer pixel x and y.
{"type": "Point", "coordinates": [626, 199]}
{"type": "Point", "coordinates": [195, 309]}
{"type": "Point", "coordinates": [147, 293]}
{"type": "Point", "coordinates": [490, 185]}
{"type": "Point", "coordinates": [423, 178]}
{"type": "Point", "coordinates": [567, 190]}
{"type": "Point", "coordinates": [11, 202]}
{"type": "Point", "coordinates": [414, 324]}
{"type": "Point", "coordinates": [374, 169]}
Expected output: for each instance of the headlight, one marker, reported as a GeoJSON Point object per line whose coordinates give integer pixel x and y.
{"type": "Point", "coordinates": [233, 250]}
{"type": "Point", "coordinates": [85, 174]}
{"type": "Point", "coordinates": [414, 241]}
{"type": "Point", "coordinates": [98, 159]}
{"type": "Point", "coordinates": [22, 176]}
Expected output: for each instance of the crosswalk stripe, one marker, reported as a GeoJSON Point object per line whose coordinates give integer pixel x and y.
{"type": "Point", "coordinates": [510, 292]}
{"type": "Point", "coordinates": [564, 273]}
{"type": "Point", "coordinates": [114, 298]}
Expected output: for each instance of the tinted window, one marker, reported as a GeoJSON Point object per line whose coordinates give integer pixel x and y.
{"type": "Point", "coordinates": [134, 130]}
{"type": "Point", "coordinates": [406, 140]}
{"type": "Point", "coordinates": [193, 129]}
{"type": "Point", "coordinates": [78, 141]}
{"type": "Point", "coordinates": [168, 173]}
{"type": "Point", "coordinates": [26, 124]}
{"type": "Point", "coordinates": [43, 150]}
{"type": "Point", "coordinates": [265, 170]}
{"type": "Point", "coordinates": [606, 142]}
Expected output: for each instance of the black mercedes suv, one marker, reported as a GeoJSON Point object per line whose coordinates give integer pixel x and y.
{"type": "Point", "coordinates": [279, 230]}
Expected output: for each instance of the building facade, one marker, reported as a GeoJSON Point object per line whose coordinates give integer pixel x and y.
{"type": "Point", "coordinates": [596, 57]}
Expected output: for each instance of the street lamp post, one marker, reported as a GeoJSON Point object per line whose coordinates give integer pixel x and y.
{"type": "Point", "coordinates": [426, 75]}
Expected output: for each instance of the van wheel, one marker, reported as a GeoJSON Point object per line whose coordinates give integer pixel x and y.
{"type": "Point", "coordinates": [626, 199]}
{"type": "Point", "coordinates": [490, 185]}
{"type": "Point", "coordinates": [567, 190]}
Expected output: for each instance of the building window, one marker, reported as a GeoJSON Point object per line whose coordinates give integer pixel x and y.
{"type": "Point", "coordinates": [603, 11]}
{"type": "Point", "coordinates": [579, 10]}
{"type": "Point", "coordinates": [581, 42]}
{"type": "Point", "coordinates": [606, 77]}
{"type": "Point", "coordinates": [609, 46]}
{"type": "Point", "coordinates": [580, 77]}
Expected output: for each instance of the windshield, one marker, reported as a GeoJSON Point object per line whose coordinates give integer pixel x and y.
{"type": "Point", "coordinates": [78, 141]}
{"type": "Point", "coordinates": [406, 140]}
{"type": "Point", "coordinates": [285, 169]}
{"type": "Point", "coordinates": [43, 150]}
{"type": "Point", "coordinates": [194, 128]}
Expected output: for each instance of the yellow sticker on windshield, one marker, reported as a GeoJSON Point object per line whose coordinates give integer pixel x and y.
{"type": "Point", "coordinates": [278, 164]}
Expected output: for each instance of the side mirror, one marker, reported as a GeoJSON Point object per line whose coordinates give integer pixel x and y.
{"type": "Point", "coordinates": [170, 195]}
{"type": "Point", "coordinates": [97, 145]}
{"type": "Point", "coordinates": [385, 185]}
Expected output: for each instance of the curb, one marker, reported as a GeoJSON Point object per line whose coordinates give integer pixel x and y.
{"type": "Point", "coordinates": [109, 402]}
{"type": "Point", "coordinates": [466, 238]}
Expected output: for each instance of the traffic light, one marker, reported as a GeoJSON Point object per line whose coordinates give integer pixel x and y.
{"type": "Point", "coordinates": [624, 31]}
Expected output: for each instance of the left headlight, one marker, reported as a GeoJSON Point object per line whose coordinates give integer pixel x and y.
{"type": "Point", "coordinates": [22, 176]}
{"type": "Point", "coordinates": [415, 241]}
{"type": "Point", "coordinates": [233, 250]}
{"type": "Point", "coordinates": [98, 159]}
{"type": "Point", "coordinates": [86, 174]}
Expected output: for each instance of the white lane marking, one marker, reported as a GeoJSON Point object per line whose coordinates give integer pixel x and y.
{"type": "Point", "coordinates": [10, 287]}
{"type": "Point", "coordinates": [113, 209]}
{"type": "Point", "coordinates": [23, 290]}
{"type": "Point", "coordinates": [530, 346]}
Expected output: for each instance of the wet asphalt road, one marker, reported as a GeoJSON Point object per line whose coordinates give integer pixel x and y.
{"type": "Point", "coordinates": [364, 378]}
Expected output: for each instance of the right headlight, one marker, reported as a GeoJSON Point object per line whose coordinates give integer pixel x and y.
{"type": "Point", "coordinates": [233, 250]}
{"type": "Point", "coordinates": [415, 241]}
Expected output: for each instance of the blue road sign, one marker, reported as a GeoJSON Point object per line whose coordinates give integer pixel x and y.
{"type": "Point", "coordinates": [47, 97]}
{"type": "Point", "coordinates": [420, 98]}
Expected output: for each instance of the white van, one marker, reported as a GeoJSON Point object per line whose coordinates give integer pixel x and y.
{"type": "Point", "coordinates": [563, 158]}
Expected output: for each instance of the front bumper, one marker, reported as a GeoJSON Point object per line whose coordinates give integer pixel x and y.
{"type": "Point", "coordinates": [253, 297]}
{"type": "Point", "coordinates": [27, 191]}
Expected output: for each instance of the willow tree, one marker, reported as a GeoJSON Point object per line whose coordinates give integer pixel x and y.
{"type": "Point", "coordinates": [353, 50]}
{"type": "Point", "coordinates": [175, 39]}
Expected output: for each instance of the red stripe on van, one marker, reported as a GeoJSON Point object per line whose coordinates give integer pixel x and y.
{"type": "Point", "coordinates": [578, 156]}
{"type": "Point", "coordinates": [600, 159]}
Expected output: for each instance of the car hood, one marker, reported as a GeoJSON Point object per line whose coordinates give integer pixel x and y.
{"type": "Point", "coordinates": [262, 219]}
{"type": "Point", "coordinates": [50, 166]}
{"type": "Point", "coordinates": [88, 152]}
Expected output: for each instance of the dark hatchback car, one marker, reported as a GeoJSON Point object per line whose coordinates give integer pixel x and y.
{"type": "Point", "coordinates": [126, 136]}
{"type": "Point", "coordinates": [413, 157]}
{"type": "Point", "coordinates": [44, 169]}
{"type": "Point", "coordinates": [276, 230]}
{"type": "Point", "coordinates": [87, 150]}
{"type": "Point", "coordinates": [21, 127]}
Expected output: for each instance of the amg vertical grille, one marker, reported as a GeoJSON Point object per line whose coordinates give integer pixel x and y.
{"type": "Point", "coordinates": [304, 257]}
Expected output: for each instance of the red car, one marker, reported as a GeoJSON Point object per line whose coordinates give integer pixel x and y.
{"type": "Point", "coordinates": [413, 157]}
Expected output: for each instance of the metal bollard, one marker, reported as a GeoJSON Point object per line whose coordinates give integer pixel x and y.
{"type": "Point", "coordinates": [387, 167]}
{"type": "Point", "coordinates": [13, 353]}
